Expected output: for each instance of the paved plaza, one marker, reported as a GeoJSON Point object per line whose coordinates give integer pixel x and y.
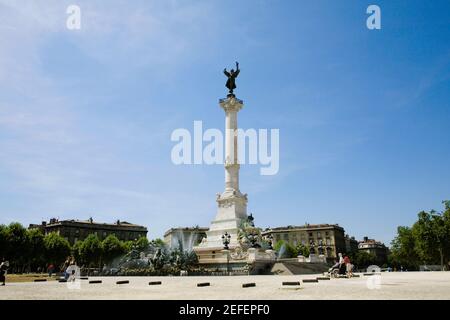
{"type": "Point", "coordinates": [398, 285]}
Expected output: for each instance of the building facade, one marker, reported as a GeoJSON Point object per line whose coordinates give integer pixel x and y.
{"type": "Point", "coordinates": [376, 248]}
{"type": "Point", "coordinates": [187, 237]}
{"type": "Point", "coordinates": [326, 239]}
{"type": "Point", "coordinates": [351, 244]}
{"type": "Point", "coordinates": [76, 230]}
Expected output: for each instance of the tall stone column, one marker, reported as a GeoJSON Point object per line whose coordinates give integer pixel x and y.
{"type": "Point", "coordinates": [232, 204]}
{"type": "Point", "coordinates": [231, 106]}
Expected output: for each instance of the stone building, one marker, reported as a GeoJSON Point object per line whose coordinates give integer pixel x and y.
{"type": "Point", "coordinates": [377, 248]}
{"type": "Point", "coordinates": [326, 239]}
{"type": "Point", "coordinates": [75, 230]}
{"type": "Point", "coordinates": [351, 244]}
{"type": "Point", "coordinates": [188, 237]}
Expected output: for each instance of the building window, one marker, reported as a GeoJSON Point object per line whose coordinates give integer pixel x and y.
{"type": "Point", "coordinates": [326, 233]}
{"type": "Point", "coordinates": [328, 241]}
{"type": "Point", "coordinates": [310, 234]}
{"type": "Point", "coordinates": [318, 235]}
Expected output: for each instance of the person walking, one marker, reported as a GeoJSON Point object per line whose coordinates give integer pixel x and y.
{"type": "Point", "coordinates": [50, 269]}
{"type": "Point", "coordinates": [3, 270]}
{"type": "Point", "coordinates": [348, 266]}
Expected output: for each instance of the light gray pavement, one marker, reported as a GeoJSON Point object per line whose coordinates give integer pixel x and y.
{"type": "Point", "coordinates": [398, 285]}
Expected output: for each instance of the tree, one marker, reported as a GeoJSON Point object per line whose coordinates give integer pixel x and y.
{"type": "Point", "coordinates": [141, 244]}
{"type": "Point", "coordinates": [4, 244]}
{"type": "Point", "coordinates": [427, 241]}
{"type": "Point", "coordinates": [57, 248]}
{"type": "Point", "coordinates": [37, 248]}
{"type": "Point", "coordinates": [76, 252]}
{"type": "Point", "coordinates": [363, 259]}
{"type": "Point", "coordinates": [91, 250]}
{"type": "Point", "coordinates": [112, 248]}
{"type": "Point", "coordinates": [302, 250]}
{"type": "Point", "coordinates": [403, 251]}
{"type": "Point", "coordinates": [285, 250]}
{"type": "Point", "coordinates": [432, 237]}
{"type": "Point", "coordinates": [17, 249]}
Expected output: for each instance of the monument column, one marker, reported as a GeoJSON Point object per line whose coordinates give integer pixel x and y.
{"type": "Point", "coordinates": [232, 204]}
{"type": "Point", "coordinates": [231, 106]}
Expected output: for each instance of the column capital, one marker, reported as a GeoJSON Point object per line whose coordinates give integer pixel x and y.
{"type": "Point", "coordinates": [231, 103]}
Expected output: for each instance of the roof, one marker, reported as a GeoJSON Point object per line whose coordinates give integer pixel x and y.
{"type": "Point", "coordinates": [86, 223]}
{"type": "Point", "coordinates": [324, 226]}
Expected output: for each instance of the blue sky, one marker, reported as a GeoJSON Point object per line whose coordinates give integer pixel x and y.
{"type": "Point", "coordinates": [86, 115]}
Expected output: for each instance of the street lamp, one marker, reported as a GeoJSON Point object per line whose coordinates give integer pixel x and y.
{"type": "Point", "coordinates": [226, 241]}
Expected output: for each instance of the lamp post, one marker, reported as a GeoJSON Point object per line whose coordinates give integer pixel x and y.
{"type": "Point", "coordinates": [226, 241]}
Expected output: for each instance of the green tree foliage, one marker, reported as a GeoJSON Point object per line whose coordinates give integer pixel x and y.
{"type": "Point", "coordinates": [91, 251]}
{"type": "Point", "coordinates": [141, 244]}
{"type": "Point", "coordinates": [112, 248]}
{"type": "Point", "coordinates": [17, 249]}
{"type": "Point", "coordinates": [4, 244]}
{"type": "Point", "coordinates": [57, 248]}
{"type": "Point", "coordinates": [37, 248]}
{"type": "Point", "coordinates": [363, 259]}
{"type": "Point", "coordinates": [285, 250]}
{"type": "Point", "coordinates": [426, 242]}
{"type": "Point", "coordinates": [77, 253]}
{"type": "Point", "coordinates": [302, 250]}
{"type": "Point", "coordinates": [403, 250]}
{"type": "Point", "coordinates": [30, 250]}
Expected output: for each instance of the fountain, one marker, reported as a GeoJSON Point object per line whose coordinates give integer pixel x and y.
{"type": "Point", "coordinates": [156, 259]}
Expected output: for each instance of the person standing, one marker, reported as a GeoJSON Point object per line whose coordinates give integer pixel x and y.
{"type": "Point", "coordinates": [348, 266]}
{"type": "Point", "coordinates": [3, 270]}
{"type": "Point", "coordinates": [50, 269]}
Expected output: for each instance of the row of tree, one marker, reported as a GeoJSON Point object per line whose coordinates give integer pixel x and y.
{"type": "Point", "coordinates": [30, 250]}
{"type": "Point", "coordinates": [426, 242]}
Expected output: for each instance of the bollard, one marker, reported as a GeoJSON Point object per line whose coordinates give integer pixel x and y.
{"type": "Point", "coordinates": [310, 280]}
{"type": "Point", "coordinates": [95, 281]}
{"type": "Point", "coordinates": [248, 285]}
{"type": "Point", "coordinates": [203, 284]}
